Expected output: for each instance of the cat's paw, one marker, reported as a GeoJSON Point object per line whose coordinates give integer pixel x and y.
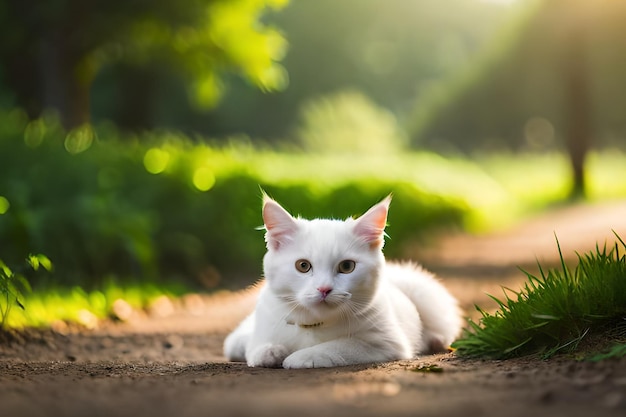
{"type": "Point", "coordinates": [268, 356]}
{"type": "Point", "coordinates": [311, 358]}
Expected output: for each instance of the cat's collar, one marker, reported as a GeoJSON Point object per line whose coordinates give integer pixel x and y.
{"type": "Point", "coordinates": [305, 326]}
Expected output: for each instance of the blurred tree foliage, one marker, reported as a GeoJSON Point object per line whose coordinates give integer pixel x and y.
{"type": "Point", "coordinates": [160, 207]}
{"type": "Point", "coordinates": [390, 50]}
{"type": "Point", "coordinates": [555, 79]}
{"type": "Point", "coordinates": [51, 51]}
{"type": "Point", "coordinates": [350, 123]}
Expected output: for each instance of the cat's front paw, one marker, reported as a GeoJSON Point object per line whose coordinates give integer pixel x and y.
{"type": "Point", "coordinates": [311, 358]}
{"type": "Point", "coordinates": [268, 356]}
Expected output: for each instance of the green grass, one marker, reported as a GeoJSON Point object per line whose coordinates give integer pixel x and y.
{"type": "Point", "coordinates": [555, 311]}
{"type": "Point", "coordinates": [76, 305]}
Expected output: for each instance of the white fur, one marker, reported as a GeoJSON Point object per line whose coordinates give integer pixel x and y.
{"type": "Point", "coordinates": [380, 311]}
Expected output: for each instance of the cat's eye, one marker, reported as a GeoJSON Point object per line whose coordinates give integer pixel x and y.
{"type": "Point", "coordinates": [303, 265]}
{"type": "Point", "coordinates": [347, 266]}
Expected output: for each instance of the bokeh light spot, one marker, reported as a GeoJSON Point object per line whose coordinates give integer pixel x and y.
{"type": "Point", "coordinates": [34, 133]}
{"type": "Point", "coordinates": [79, 139]}
{"type": "Point", "coordinates": [203, 179]}
{"type": "Point", "coordinates": [156, 160]}
{"type": "Point", "coordinates": [4, 205]}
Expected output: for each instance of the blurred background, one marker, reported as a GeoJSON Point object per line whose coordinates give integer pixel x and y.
{"type": "Point", "coordinates": [135, 136]}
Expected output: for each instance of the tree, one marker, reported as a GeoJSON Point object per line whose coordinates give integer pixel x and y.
{"type": "Point", "coordinates": [390, 50]}
{"type": "Point", "coordinates": [52, 50]}
{"type": "Point", "coordinates": [578, 111]}
{"type": "Point", "coordinates": [562, 62]}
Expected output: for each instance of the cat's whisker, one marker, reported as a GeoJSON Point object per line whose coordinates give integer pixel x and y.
{"type": "Point", "coordinates": [293, 305]}
{"type": "Point", "coordinates": [346, 314]}
{"type": "Point", "coordinates": [365, 310]}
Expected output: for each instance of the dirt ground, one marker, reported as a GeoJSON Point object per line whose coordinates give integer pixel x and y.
{"type": "Point", "coordinates": [169, 362]}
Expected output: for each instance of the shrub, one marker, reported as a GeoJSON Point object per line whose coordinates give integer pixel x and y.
{"type": "Point", "coordinates": [161, 207]}
{"type": "Point", "coordinates": [349, 122]}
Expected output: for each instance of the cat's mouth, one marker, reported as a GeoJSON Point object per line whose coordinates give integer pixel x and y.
{"type": "Point", "coordinates": [329, 300]}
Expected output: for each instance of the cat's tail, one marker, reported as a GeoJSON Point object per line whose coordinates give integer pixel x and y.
{"type": "Point", "coordinates": [438, 309]}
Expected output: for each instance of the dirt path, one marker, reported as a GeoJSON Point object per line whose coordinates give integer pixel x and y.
{"type": "Point", "coordinates": [172, 365]}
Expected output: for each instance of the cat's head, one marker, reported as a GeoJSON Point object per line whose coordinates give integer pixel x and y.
{"type": "Point", "coordinates": [323, 268]}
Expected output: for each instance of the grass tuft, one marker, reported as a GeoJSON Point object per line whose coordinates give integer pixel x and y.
{"type": "Point", "coordinates": [554, 311]}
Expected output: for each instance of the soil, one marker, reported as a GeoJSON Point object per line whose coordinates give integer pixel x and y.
{"type": "Point", "coordinates": [168, 362]}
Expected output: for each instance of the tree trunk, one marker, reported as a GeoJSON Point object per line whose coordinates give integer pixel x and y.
{"type": "Point", "coordinates": [578, 123]}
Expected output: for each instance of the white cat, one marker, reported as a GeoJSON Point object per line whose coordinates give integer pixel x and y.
{"type": "Point", "coordinates": [330, 299]}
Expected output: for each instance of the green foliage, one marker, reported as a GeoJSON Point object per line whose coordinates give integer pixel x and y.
{"type": "Point", "coordinates": [389, 50]}
{"type": "Point", "coordinates": [159, 209]}
{"type": "Point", "coordinates": [554, 312]}
{"type": "Point", "coordinates": [13, 285]}
{"type": "Point", "coordinates": [225, 36]}
{"type": "Point", "coordinates": [39, 260]}
{"type": "Point", "coordinates": [198, 41]}
{"type": "Point", "coordinates": [348, 122]}
{"type": "Point", "coordinates": [163, 208]}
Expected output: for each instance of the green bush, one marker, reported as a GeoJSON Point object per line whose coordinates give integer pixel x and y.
{"type": "Point", "coordinates": [413, 214]}
{"type": "Point", "coordinates": [349, 122]}
{"type": "Point", "coordinates": [161, 207]}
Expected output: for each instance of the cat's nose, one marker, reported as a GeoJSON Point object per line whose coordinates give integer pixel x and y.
{"type": "Point", "coordinates": [324, 291]}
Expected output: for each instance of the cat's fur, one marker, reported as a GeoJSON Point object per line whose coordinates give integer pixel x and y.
{"type": "Point", "coordinates": [314, 311]}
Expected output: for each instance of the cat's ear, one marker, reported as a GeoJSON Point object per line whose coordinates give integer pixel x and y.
{"type": "Point", "coordinates": [279, 225]}
{"type": "Point", "coordinates": [371, 225]}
